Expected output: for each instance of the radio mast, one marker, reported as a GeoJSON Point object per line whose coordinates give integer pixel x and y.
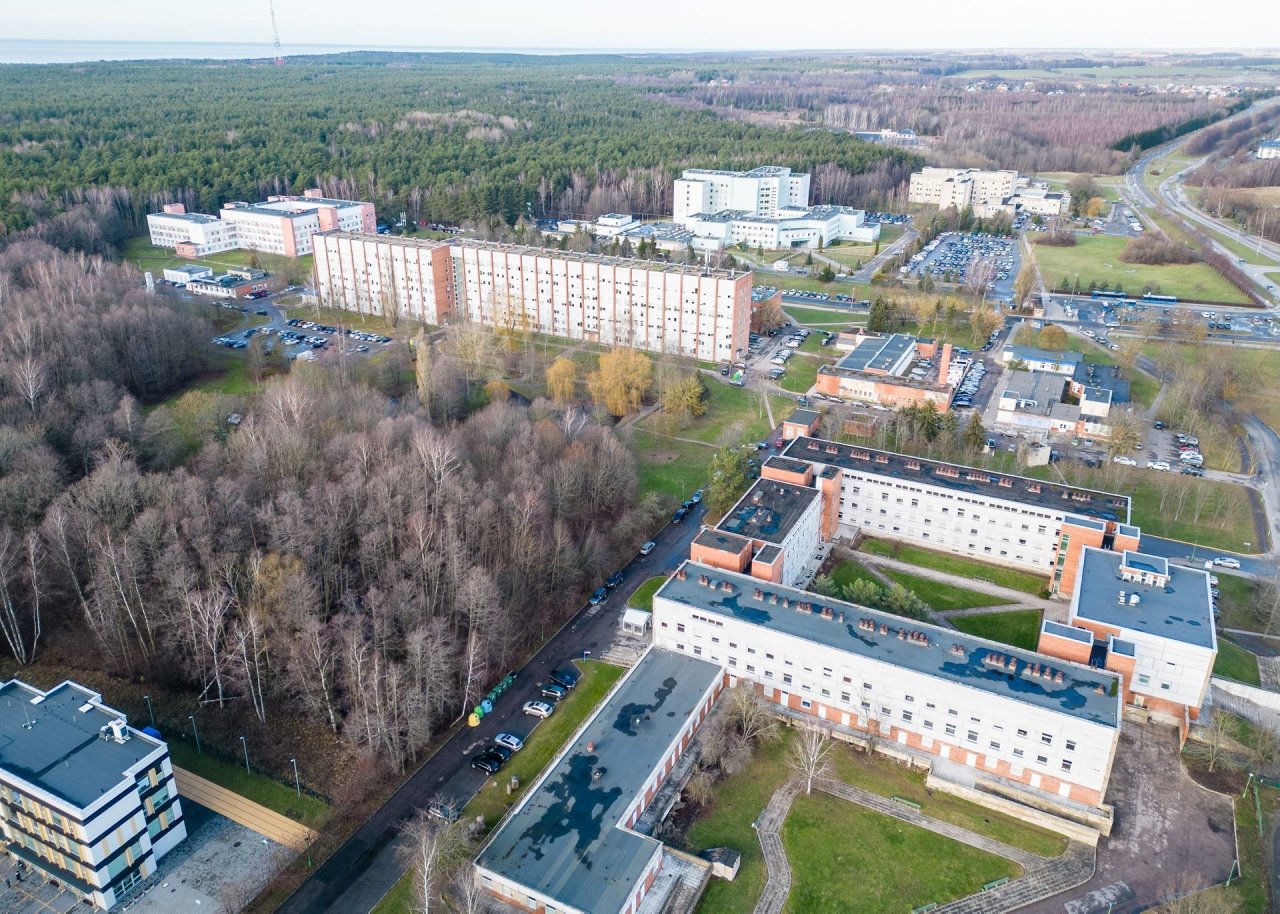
{"type": "Point", "coordinates": [275, 32]}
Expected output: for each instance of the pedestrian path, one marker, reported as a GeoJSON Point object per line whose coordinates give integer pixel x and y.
{"type": "Point", "coordinates": [1054, 610]}
{"type": "Point", "coordinates": [1042, 877]}
{"type": "Point", "coordinates": [266, 822]}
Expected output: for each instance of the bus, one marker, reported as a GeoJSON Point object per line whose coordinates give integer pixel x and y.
{"type": "Point", "coordinates": [1103, 293]}
{"type": "Point", "coordinates": [1161, 299]}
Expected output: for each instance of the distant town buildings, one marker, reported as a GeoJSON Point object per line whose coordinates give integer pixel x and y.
{"type": "Point", "coordinates": [767, 207]}
{"type": "Point", "coordinates": [987, 193]}
{"type": "Point", "coordinates": [1269, 149]}
{"type": "Point", "coordinates": [658, 307]}
{"type": "Point", "coordinates": [279, 225]}
{"type": "Point", "coordinates": [84, 798]}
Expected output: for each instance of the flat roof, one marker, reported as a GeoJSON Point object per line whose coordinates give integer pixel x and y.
{"type": "Point", "coordinates": [718, 539]}
{"type": "Point", "coordinates": [767, 554]}
{"type": "Point", "coordinates": [1083, 635]}
{"type": "Point", "coordinates": [185, 217]}
{"type": "Point", "coordinates": [959, 478]}
{"type": "Point", "coordinates": [190, 269]}
{"type": "Point", "coordinates": [1042, 387]}
{"type": "Point", "coordinates": [789, 464]}
{"type": "Point", "coordinates": [1031, 353]}
{"type": "Point", "coordinates": [564, 840]}
{"type": "Point", "coordinates": [1182, 610]}
{"type": "Point", "coordinates": [805, 417]}
{"type": "Point", "coordinates": [877, 353]}
{"type": "Point", "coordinates": [933, 651]}
{"type": "Point", "coordinates": [768, 510]}
{"type": "Point", "coordinates": [55, 744]}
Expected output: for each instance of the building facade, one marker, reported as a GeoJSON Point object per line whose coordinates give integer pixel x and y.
{"type": "Point", "coordinates": [761, 191]}
{"type": "Point", "coordinates": [892, 370]}
{"type": "Point", "coordinates": [1004, 713]}
{"type": "Point", "coordinates": [84, 798]}
{"type": "Point", "coordinates": [190, 234]}
{"type": "Point", "coordinates": [960, 187]}
{"type": "Point", "coordinates": [656, 307]}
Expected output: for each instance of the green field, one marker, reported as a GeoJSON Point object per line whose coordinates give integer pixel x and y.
{"type": "Point", "coordinates": [141, 253]}
{"type": "Point", "coordinates": [823, 318]}
{"type": "Point", "coordinates": [891, 866]}
{"type": "Point", "coordinates": [282, 798]}
{"type": "Point", "coordinates": [1234, 662]}
{"type": "Point", "coordinates": [1020, 628]}
{"type": "Point", "coordinates": [642, 598]}
{"type": "Point", "coordinates": [1108, 184]}
{"type": "Point", "coordinates": [735, 415]}
{"type": "Point", "coordinates": [954, 564]}
{"type": "Point", "coordinates": [1226, 521]}
{"type": "Point", "coordinates": [1237, 599]}
{"type": "Point", "coordinates": [943, 597]}
{"type": "Point", "coordinates": [1097, 259]}
{"type": "Point", "coordinates": [671, 468]}
{"type": "Point", "coordinates": [802, 373]}
{"type": "Point", "coordinates": [545, 741]}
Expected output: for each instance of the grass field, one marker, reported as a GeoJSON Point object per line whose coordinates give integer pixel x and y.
{"type": "Point", "coordinates": [1058, 180]}
{"type": "Point", "coordinates": [1097, 259]}
{"type": "Point", "coordinates": [272, 794]}
{"type": "Point", "coordinates": [802, 373]}
{"type": "Point", "coordinates": [141, 253]}
{"type": "Point", "coordinates": [943, 597]}
{"type": "Point", "coordinates": [642, 597]}
{"type": "Point", "coordinates": [852, 256]}
{"type": "Point", "coordinates": [826, 319]}
{"type": "Point", "coordinates": [1234, 662]}
{"type": "Point", "coordinates": [734, 415]}
{"type": "Point", "coordinates": [1237, 597]}
{"type": "Point", "coordinates": [954, 564]}
{"type": "Point", "coordinates": [673, 469]}
{"type": "Point", "coordinates": [1020, 628]}
{"type": "Point", "coordinates": [1225, 522]}
{"type": "Point", "coordinates": [545, 741]}
{"type": "Point", "coordinates": [914, 866]}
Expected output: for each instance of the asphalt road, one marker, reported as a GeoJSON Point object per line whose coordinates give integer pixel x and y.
{"type": "Point", "coordinates": [356, 877]}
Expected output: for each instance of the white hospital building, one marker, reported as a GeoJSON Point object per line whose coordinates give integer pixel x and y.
{"type": "Point", "coordinates": [658, 307]}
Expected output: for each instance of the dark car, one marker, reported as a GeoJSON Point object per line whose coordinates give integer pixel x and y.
{"type": "Point", "coordinates": [681, 514]}
{"type": "Point", "coordinates": [601, 594]}
{"type": "Point", "coordinates": [488, 761]}
{"type": "Point", "coordinates": [553, 691]}
{"type": "Point", "coordinates": [567, 677]}
{"type": "Point", "coordinates": [613, 580]}
{"type": "Point", "coordinates": [501, 751]}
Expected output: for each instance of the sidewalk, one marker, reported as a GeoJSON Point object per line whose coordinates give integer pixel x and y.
{"type": "Point", "coordinates": [1052, 609]}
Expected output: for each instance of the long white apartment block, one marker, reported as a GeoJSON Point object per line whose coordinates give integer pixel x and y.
{"type": "Point", "coordinates": [657, 307]}
{"type": "Point", "coordinates": [84, 798]}
{"type": "Point", "coordinates": [1047, 725]}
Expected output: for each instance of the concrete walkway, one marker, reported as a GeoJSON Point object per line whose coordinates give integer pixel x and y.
{"type": "Point", "coordinates": [1052, 609]}
{"type": "Point", "coordinates": [266, 822]}
{"type": "Point", "coordinates": [769, 831]}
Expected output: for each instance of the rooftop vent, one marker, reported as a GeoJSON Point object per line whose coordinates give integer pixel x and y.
{"type": "Point", "coordinates": [682, 574]}
{"type": "Point", "coordinates": [759, 594]}
{"type": "Point", "coordinates": [1134, 599]}
{"type": "Point", "coordinates": [1123, 594]}
{"type": "Point", "coordinates": [957, 650]}
{"type": "Point", "coordinates": [117, 731]}
{"type": "Point", "coordinates": [727, 586]}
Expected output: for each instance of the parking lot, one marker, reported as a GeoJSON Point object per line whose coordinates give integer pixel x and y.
{"type": "Point", "coordinates": [973, 258]}
{"type": "Point", "coordinates": [1102, 316]}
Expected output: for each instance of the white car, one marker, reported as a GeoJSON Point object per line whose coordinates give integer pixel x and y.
{"type": "Point", "coordinates": [1223, 562]}
{"type": "Point", "coordinates": [1157, 465]}
{"type": "Point", "coordinates": [1124, 461]}
{"type": "Point", "coordinates": [509, 741]}
{"type": "Point", "coordinates": [648, 547]}
{"type": "Point", "coordinates": [538, 709]}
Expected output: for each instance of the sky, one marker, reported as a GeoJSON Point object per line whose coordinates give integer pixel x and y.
{"type": "Point", "coordinates": [654, 24]}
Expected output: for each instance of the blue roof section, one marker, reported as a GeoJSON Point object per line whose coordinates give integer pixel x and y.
{"type": "Point", "coordinates": [1084, 636]}
{"type": "Point", "coordinates": [1181, 610]}
{"type": "Point", "coordinates": [943, 653]}
{"type": "Point", "coordinates": [1032, 354]}
{"type": "Point", "coordinates": [878, 353]}
{"type": "Point", "coordinates": [564, 841]}
{"type": "Point", "coordinates": [1151, 564]}
{"type": "Point", "coordinates": [769, 510]}
{"type": "Point", "coordinates": [55, 744]}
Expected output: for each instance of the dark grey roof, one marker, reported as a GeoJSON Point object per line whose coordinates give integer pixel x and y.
{"type": "Point", "coordinates": [1048, 495]}
{"type": "Point", "coordinates": [718, 539]}
{"type": "Point", "coordinates": [1182, 610]}
{"type": "Point", "coordinates": [1105, 377]}
{"type": "Point", "coordinates": [944, 653]}
{"type": "Point", "coordinates": [767, 554]}
{"type": "Point", "coordinates": [55, 744]}
{"type": "Point", "coordinates": [769, 510]}
{"type": "Point", "coordinates": [878, 353]}
{"type": "Point", "coordinates": [804, 417]}
{"type": "Point", "coordinates": [564, 840]}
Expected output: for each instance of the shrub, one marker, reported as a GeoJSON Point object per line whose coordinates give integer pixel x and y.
{"type": "Point", "coordinates": [1057, 239]}
{"type": "Point", "coordinates": [1153, 251]}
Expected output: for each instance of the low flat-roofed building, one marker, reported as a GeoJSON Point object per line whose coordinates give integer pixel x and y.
{"type": "Point", "coordinates": [568, 846]}
{"type": "Point", "coordinates": [1004, 713]}
{"type": "Point", "coordinates": [185, 273]}
{"type": "Point", "coordinates": [1269, 149]}
{"type": "Point", "coordinates": [1064, 363]}
{"type": "Point", "coordinates": [801, 422]}
{"type": "Point", "coordinates": [893, 370]}
{"type": "Point", "coordinates": [781, 514]}
{"type": "Point", "coordinates": [1149, 621]}
{"type": "Point", "coordinates": [84, 797]}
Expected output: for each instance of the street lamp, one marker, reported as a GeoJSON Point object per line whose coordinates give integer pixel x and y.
{"type": "Point", "coordinates": [150, 711]}
{"type": "Point", "coordinates": [195, 732]}
{"type": "Point", "coordinates": [246, 755]}
{"type": "Point", "coordinates": [586, 654]}
{"type": "Point", "coordinates": [296, 783]}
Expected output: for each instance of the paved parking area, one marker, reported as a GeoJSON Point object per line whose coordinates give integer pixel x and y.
{"type": "Point", "coordinates": [1165, 825]}
{"type": "Point", "coordinates": [28, 892]}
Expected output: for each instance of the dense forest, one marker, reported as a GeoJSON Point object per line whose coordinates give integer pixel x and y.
{"type": "Point", "coordinates": [454, 138]}
{"type": "Point", "coordinates": [342, 555]}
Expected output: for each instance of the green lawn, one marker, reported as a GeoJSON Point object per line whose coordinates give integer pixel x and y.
{"type": "Point", "coordinates": [1020, 628]}
{"type": "Point", "coordinates": [943, 597]}
{"type": "Point", "coordinates": [1236, 600]}
{"type": "Point", "coordinates": [547, 738]}
{"type": "Point", "coordinates": [954, 564]}
{"type": "Point", "coordinates": [1225, 520]}
{"type": "Point", "coordinates": [1234, 662]}
{"type": "Point", "coordinates": [734, 415]}
{"type": "Point", "coordinates": [825, 319]}
{"type": "Point", "coordinates": [802, 373]}
{"type": "Point", "coordinates": [642, 598]}
{"type": "Point", "coordinates": [282, 798]}
{"type": "Point", "coordinates": [1096, 258]}
{"type": "Point", "coordinates": [673, 469]}
{"type": "Point", "coordinates": [399, 900]}
{"type": "Point", "coordinates": [852, 256]}
{"type": "Point", "coordinates": [141, 253]}
{"type": "Point", "coordinates": [848, 571]}
{"type": "Point", "coordinates": [889, 866]}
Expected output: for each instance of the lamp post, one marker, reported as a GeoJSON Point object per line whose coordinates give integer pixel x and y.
{"type": "Point", "coordinates": [297, 784]}
{"type": "Point", "coordinates": [150, 711]}
{"type": "Point", "coordinates": [246, 755]}
{"type": "Point", "coordinates": [195, 732]}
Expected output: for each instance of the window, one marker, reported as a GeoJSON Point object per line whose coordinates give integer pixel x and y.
{"type": "Point", "coordinates": [994, 745]}
{"type": "Point", "coordinates": [806, 703]}
{"type": "Point", "coordinates": [928, 725]}
{"type": "Point", "coordinates": [885, 711]}
{"type": "Point", "coordinates": [715, 640]}
{"type": "Point", "coordinates": [972, 736]}
{"type": "Point", "coordinates": [1066, 764]}
{"type": "Point", "coordinates": [697, 650]}
{"type": "Point", "coordinates": [866, 685]}
{"type": "Point", "coordinates": [733, 644]}
{"type": "Point", "coordinates": [1022, 732]}
{"type": "Point", "coordinates": [768, 656]}
{"type": "Point", "coordinates": [768, 674]}
{"type": "Point", "coordinates": [826, 693]}
{"type": "Point", "coordinates": [1165, 686]}
{"type": "Point", "coordinates": [953, 712]}
{"type": "Point", "coordinates": [1144, 679]}
{"type": "Point", "coordinates": [1046, 739]}
{"type": "Point", "coordinates": [786, 677]}
{"type": "Point", "coordinates": [751, 650]}
{"type": "Point", "coordinates": [866, 706]}
{"type": "Point", "coordinates": [1071, 745]}
{"type": "Point", "coordinates": [1017, 753]}
{"type": "Point", "coordinates": [733, 661]}
{"type": "Point", "coordinates": [910, 698]}
{"type": "Point", "coordinates": [1042, 760]}
{"type": "Point", "coordinates": [844, 697]}
{"type": "Point", "coordinates": [679, 626]}
{"type": "Point", "coordinates": [951, 729]}
{"type": "Point", "coordinates": [750, 668]}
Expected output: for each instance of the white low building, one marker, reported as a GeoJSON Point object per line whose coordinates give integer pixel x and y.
{"type": "Point", "coordinates": [1269, 149]}
{"type": "Point", "coordinates": [803, 227]}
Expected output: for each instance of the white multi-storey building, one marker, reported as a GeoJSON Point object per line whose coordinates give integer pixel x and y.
{"type": "Point", "coordinates": [961, 187]}
{"type": "Point", "coordinates": [197, 234]}
{"type": "Point", "coordinates": [762, 191]}
{"type": "Point", "coordinates": [657, 307]}
{"type": "Point", "coordinates": [84, 798]}
{"type": "Point", "coordinates": [1005, 713]}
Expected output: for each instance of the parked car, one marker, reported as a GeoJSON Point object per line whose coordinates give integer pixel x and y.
{"type": "Point", "coordinates": [553, 691]}
{"type": "Point", "coordinates": [443, 811]}
{"type": "Point", "coordinates": [538, 709]}
{"type": "Point", "coordinates": [1125, 461]}
{"type": "Point", "coordinates": [509, 741]}
{"type": "Point", "coordinates": [1157, 465]}
{"type": "Point", "coordinates": [648, 547]}
{"type": "Point", "coordinates": [566, 676]}
{"type": "Point", "coordinates": [488, 761]}
{"type": "Point", "coordinates": [696, 497]}
{"type": "Point", "coordinates": [613, 580]}
{"type": "Point", "coordinates": [1224, 562]}
{"type": "Point", "coordinates": [601, 594]}
{"type": "Point", "coordinates": [501, 752]}
{"type": "Point", "coordinates": [681, 514]}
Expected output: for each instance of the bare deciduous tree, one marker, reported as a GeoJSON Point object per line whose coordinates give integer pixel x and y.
{"type": "Point", "coordinates": [809, 758]}
{"type": "Point", "coordinates": [434, 850]}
